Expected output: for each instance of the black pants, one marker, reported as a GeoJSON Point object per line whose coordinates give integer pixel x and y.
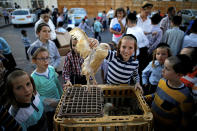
{"type": "Point", "coordinates": [50, 115]}
{"type": "Point", "coordinates": [27, 56]}
{"type": "Point", "coordinates": [6, 18]}
{"type": "Point", "coordinates": [75, 79]}
{"type": "Point", "coordinates": [96, 34]}
{"type": "Point", "coordinates": [143, 61]}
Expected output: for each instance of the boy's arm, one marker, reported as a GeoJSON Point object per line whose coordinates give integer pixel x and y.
{"type": "Point", "coordinates": [146, 73]}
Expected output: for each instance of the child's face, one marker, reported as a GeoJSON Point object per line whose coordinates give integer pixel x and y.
{"type": "Point", "coordinates": [44, 34]}
{"type": "Point", "coordinates": [42, 61]}
{"type": "Point", "coordinates": [127, 49]}
{"type": "Point", "coordinates": [74, 44]}
{"type": "Point", "coordinates": [161, 55]}
{"type": "Point", "coordinates": [22, 89]}
{"type": "Point", "coordinates": [120, 14]}
{"type": "Point", "coordinates": [168, 71]}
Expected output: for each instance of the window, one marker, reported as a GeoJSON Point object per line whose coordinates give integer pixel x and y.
{"type": "Point", "coordinates": [36, 3]}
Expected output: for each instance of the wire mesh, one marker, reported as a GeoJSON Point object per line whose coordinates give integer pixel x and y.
{"type": "Point", "coordinates": [80, 102]}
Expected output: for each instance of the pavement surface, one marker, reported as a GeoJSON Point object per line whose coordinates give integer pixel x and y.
{"type": "Point", "coordinates": [2, 22]}
{"type": "Point", "coordinates": [13, 37]}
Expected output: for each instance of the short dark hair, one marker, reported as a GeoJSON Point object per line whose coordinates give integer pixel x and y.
{"type": "Point", "coordinates": [44, 12]}
{"type": "Point", "coordinates": [181, 63]}
{"type": "Point", "coordinates": [170, 9]}
{"type": "Point", "coordinates": [131, 17]}
{"type": "Point", "coordinates": [23, 32]}
{"type": "Point", "coordinates": [120, 10]}
{"type": "Point", "coordinates": [60, 24]}
{"type": "Point", "coordinates": [176, 20]}
{"type": "Point", "coordinates": [155, 19]}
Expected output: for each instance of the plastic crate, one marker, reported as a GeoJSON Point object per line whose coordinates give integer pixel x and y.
{"type": "Point", "coordinates": [141, 121]}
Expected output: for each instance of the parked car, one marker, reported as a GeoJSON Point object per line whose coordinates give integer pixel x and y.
{"type": "Point", "coordinates": [187, 15]}
{"type": "Point", "coordinates": [23, 16]}
{"type": "Point", "coordinates": [75, 16]}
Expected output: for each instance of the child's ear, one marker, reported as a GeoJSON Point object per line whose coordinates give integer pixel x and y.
{"type": "Point", "coordinates": [33, 61]}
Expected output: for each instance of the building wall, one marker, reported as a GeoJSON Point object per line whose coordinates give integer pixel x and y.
{"type": "Point", "coordinates": [95, 6]}
{"type": "Point", "coordinates": [27, 3]}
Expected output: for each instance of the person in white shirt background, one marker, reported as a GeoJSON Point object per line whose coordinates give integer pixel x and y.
{"type": "Point", "coordinates": [143, 20]}
{"type": "Point", "coordinates": [110, 15]}
{"type": "Point", "coordinates": [117, 25]}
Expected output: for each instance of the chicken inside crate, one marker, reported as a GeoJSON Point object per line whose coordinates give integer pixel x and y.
{"type": "Point", "coordinates": [102, 108]}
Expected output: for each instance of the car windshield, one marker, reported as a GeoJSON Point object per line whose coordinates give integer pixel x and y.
{"type": "Point", "coordinates": [77, 11]}
{"type": "Point", "coordinates": [20, 12]}
{"type": "Point", "coordinates": [195, 12]}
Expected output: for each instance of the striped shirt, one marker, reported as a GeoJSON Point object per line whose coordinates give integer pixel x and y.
{"type": "Point", "coordinates": [72, 66]}
{"type": "Point", "coordinates": [172, 107]}
{"type": "Point", "coordinates": [119, 71]}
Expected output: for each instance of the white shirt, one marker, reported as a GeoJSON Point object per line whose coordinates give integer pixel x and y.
{"type": "Point", "coordinates": [142, 40]}
{"type": "Point", "coordinates": [190, 40]}
{"type": "Point", "coordinates": [115, 25]}
{"type": "Point", "coordinates": [51, 25]}
{"type": "Point", "coordinates": [145, 25]}
{"type": "Point", "coordinates": [61, 29]}
{"type": "Point", "coordinates": [110, 14]}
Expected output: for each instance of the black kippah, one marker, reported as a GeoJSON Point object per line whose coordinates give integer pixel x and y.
{"type": "Point", "coordinates": [130, 36]}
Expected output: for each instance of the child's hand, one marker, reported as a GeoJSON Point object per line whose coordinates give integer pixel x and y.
{"type": "Point", "coordinates": [51, 102]}
{"type": "Point", "coordinates": [154, 33]}
{"type": "Point", "coordinates": [93, 42]}
{"type": "Point", "coordinates": [68, 83]}
{"type": "Point", "coordinates": [139, 87]}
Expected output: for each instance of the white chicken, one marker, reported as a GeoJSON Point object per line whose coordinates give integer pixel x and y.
{"type": "Point", "coordinates": [83, 44]}
{"type": "Point", "coordinates": [93, 57]}
{"type": "Point", "coordinates": [94, 60]}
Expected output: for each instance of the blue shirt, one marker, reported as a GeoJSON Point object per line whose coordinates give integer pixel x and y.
{"type": "Point", "coordinates": [4, 46]}
{"type": "Point", "coordinates": [26, 41]}
{"type": "Point", "coordinates": [151, 74]}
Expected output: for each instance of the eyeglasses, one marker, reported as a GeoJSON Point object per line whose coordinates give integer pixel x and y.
{"type": "Point", "coordinates": [43, 59]}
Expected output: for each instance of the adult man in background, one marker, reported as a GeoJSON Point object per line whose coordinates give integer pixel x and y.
{"type": "Point", "coordinates": [45, 18]}
{"type": "Point", "coordinates": [166, 21]}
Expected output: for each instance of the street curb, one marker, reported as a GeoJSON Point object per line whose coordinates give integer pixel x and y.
{"type": "Point", "coordinates": [2, 26]}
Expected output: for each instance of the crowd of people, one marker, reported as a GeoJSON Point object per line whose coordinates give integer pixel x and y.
{"type": "Point", "coordinates": [151, 53]}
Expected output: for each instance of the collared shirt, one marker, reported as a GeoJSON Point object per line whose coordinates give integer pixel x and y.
{"type": "Point", "coordinates": [51, 25]}
{"type": "Point", "coordinates": [190, 40]}
{"type": "Point", "coordinates": [165, 24]}
{"type": "Point", "coordinates": [174, 38]}
{"type": "Point", "coordinates": [145, 25]}
{"type": "Point", "coordinates": [151, 74]}
{"type": "Point", "coordinates": [26, 41]}
{"type": "Point", "coordinates": [154, 40]}
{"type": "Point", "coordinates": [72, 66]}
{"type": "Point", "coordinates": [53, 52]}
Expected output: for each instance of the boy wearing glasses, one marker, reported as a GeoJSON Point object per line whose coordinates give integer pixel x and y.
{"type": "Point", "coordinates": [46, 81]}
